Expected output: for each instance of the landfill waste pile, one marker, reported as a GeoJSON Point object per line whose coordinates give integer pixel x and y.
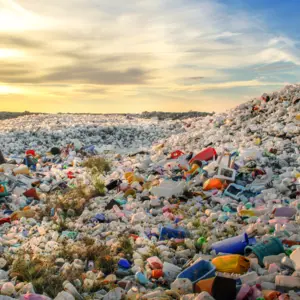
{"type": "Point", "coordinates": [110, 207]}
{"type": "Point", "coordinates": [173, 116]}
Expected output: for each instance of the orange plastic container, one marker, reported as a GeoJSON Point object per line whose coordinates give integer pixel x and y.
{"type": "Point", "coordinates": [204, 285]}
{"type": "Point", "coordinates": [129, 176]}
{"type": "Point", "coordinates": [270, 295]}
{"type": "Point", "coordinates": [231, 264]}
{"type": "Point", "coordinates": [213, 183]}
{"type": "Point", "coordinates": [157, 273]}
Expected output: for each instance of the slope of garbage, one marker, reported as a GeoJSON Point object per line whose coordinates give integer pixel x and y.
{"type": "Point", "coordinates": [118, 207]}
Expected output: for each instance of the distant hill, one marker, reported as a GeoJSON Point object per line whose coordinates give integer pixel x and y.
{"type": "Point", "coordinates": [11, 115]}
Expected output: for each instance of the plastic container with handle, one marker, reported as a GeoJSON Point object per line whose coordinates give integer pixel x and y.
{"type": "Point", "coordinates": [234, 263]}
{"type": "Point", "coordinates": [272, 246]}
{"type": "Point", "coordinates": [234, 245]}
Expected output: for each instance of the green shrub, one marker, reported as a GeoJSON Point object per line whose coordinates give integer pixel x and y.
{"type": "Point", "coordinates": [97, 165]}
{"type": "Point", "coordinates": [40, 271]}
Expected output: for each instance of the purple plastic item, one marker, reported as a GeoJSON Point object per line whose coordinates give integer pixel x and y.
{"type": "Point", "coordinates": [287, 212]}
{"type": "Point", "coordinates": [244, 292]}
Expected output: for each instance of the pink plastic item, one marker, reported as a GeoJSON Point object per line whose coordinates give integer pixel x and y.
{"type": "Point", "coordinates": [155, 263]}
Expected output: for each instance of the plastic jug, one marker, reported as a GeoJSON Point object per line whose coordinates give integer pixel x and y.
{"type": "Point", "coordinates": [272, 246]}
{"type": "Point", "coordinates": [234, 245]}
{"type": "Point", "coordinates": [231, 264]}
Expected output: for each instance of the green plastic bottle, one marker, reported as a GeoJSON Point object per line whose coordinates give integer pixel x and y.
{"type": "Point", "coordinates": [201, 241]}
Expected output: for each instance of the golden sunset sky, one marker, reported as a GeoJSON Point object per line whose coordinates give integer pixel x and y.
{"type": "Point", "coordinates": [130, 56]}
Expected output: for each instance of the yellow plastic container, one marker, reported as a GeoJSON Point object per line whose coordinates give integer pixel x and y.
{"type": "Point", "coordinates": [130, 192]}
{"type": "Point", "coordinates": [129, 176]}
{"type": "Point", "coordinates": [257, 141]}
{"type": "Point", "coordinates": [24, 213]}
{"type": "Point", "coordinates": [247, 213]}
{"type": "Point", "coordinates": [147, 185]}
{"type": "Point", "coordinates": [234, 263]}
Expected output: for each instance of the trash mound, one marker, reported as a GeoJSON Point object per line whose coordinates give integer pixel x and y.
{"type": "Point", "coordinates": [110, 133]}
{"type": "Point", "coordinates": [107, 207]}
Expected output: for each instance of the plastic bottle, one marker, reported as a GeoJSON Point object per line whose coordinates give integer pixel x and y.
{"type": "Point", "coordinates": [287, 262]}
{"type": "Point", "coordinates": [295, 257]}
{"type": "Point", "coordinates": [273, 259]}
{"type": "Point", "coordinates": [287, 282]}
{"type": "Point", "coordinates": [249, 277]}
{"type": "Point", "coordinates": [268, 286]}
{"type": "Point", "coordinates": [267, 278]}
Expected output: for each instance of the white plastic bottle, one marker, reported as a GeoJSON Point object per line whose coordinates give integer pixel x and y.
{"type": "Point", "coordinates": [288, 282]}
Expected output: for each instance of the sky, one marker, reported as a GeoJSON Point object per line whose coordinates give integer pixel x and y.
{"type": "Point", "coordinates": [121, 56]}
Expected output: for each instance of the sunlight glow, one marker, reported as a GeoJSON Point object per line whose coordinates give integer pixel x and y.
{"type": "Point", "coordinates": [7, 53]}
{"type": "Point", "coordinates": [5, 90]}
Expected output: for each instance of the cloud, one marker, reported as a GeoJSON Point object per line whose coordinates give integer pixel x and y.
{"type": "Point", "coordinates": [275, 67]}
{"type": "Point", "coordinates": [15, 41]}
{"type": "Point", "coordinates": [225, 85]}
{"type": "Point", "coordinates": [178, 45]}
{"type": "Point", "coordinates": [92, 90]}
{"type": "Point", "coordinates": [93, 75]}
{"type": "Point", "coordinates": [195, 78]}
{"type": "Point", "coordinates": [80, 74]}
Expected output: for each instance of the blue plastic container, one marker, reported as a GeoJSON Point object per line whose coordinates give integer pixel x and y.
{"type": "Point", "coordinates": [234, 245]}
{"type": "Point", "coordinates": [200, 270]}
{"type": "Point", "coordinates": [169, 233]}
{"type": "Point", "coordinates": [234, 191]}
{"type": "Point", "coordinates": [124, 263]}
